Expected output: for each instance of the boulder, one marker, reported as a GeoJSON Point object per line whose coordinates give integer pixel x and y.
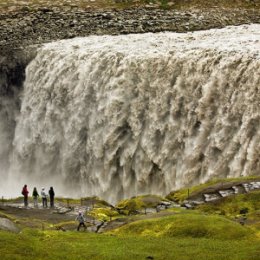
{"type": "Point", "coordinates": [8, 225]}
{"type": "Point", "coordinates": [187, 204]}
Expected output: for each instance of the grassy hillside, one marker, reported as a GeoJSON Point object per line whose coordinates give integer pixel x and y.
{"type": "Point", "coordinates": [212, 231]}
{"type": "Point", "coordinates": [243, 207]}
{"type": "Point", "coordinates": [191, 224]}
{"type": "Point", "coordinates": [184, 236]}
{"type": "Point", "coordinates": [215, 184]}
{"type": "Point", "coordinates": [188, 240]}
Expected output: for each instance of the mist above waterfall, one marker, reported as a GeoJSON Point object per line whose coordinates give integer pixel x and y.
{"type": "Point", "coordinates": [117, 116]}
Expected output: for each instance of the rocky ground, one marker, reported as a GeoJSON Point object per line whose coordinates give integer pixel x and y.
{"type": "Point", "coordinates": [26, 27]}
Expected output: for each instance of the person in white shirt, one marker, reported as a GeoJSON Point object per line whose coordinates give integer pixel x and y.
{"type": "Point", "coordinates": [44, 198]}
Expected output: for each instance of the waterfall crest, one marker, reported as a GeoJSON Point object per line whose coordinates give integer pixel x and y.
{"type": "Point", "coordinates": [117, 116]}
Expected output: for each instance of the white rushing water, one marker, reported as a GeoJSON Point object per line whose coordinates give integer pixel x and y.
{"type": "Point", "coordinates": [117, 116]}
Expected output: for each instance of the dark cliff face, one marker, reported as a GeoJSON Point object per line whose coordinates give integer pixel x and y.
{"type": "Point", "coordinates": [12, 68]}
{"type": "Point", "coordinates": [10, 78]}
{"type": "Point", "coordinates": [12, 72]}
{"type": "Point", "coordinates": [13, 63]}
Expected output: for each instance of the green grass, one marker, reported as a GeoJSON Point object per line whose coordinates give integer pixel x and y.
{"type": "Point", "coordinates": [186, 235]}
{"type": "Point", "coordinates": [191, 224]}
{"type": "Point", "coordinates": [235, 207]}
{"type": "Point", "coordinates": [8, 216]}
{"type": "Point", "coordinates": [32, 244]}
{"type": "Point", "coordinates": [15, 200]}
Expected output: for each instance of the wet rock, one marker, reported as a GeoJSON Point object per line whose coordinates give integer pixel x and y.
{"type": "Point", "coordinates": [246, 187]}
{"type": "Point", "coordinates": [255, 185]}
{"type": "Point", "coordinates": [236, 189]}
{"type": "Point", "coordinates": [225, 193]}
{"type": "Point", "coordinates": [198, 202]}
{"type": "Point", "coordinates": [165, 204]}
{"type": "Point", "coordinates": [211, 197]}
{"type": "Point", "coordinates": [251, 186]}
{"type": "Point", "coordinates": [100, 225]}
{"type": "Point", "coordinates": [187, 205]}
{"type": "Point", "coordinates": [153, 210]}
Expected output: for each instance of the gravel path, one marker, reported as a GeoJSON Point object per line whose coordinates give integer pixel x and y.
{"type": "Point", "coordinates": [48, 215]}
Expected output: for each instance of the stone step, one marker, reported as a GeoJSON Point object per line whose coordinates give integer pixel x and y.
{"type": "Point", "coordinates": [211, 197]}
{"type": "Point", "coordinates": [226, 193]}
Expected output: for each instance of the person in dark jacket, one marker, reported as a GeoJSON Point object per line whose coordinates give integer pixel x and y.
{"type": "Point", "coordinates": [35, 195]}
{"type": "Point", "coordinates": [52, 194]}
{"type": "Point", "coordinates": [25, 193]}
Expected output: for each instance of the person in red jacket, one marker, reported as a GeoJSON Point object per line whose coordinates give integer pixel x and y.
{"type": "Point", "coordinates": [25, 193]}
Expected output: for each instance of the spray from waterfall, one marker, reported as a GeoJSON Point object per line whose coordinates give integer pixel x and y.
{"type": "Point", "coordinates": [117, 116]}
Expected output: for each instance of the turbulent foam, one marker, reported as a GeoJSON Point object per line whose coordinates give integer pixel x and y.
{"type": "Point", "coordinates": [117, 116]}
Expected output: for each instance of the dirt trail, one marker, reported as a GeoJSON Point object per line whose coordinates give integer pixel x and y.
{"type": "Point", "coordinates": [48, 215]}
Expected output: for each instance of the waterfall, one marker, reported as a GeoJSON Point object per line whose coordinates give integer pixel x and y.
{"type": "Point", "coordinates": [118, 116]}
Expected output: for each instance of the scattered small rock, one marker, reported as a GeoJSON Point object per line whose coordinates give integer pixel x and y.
{"type": "Point", "coordinates": [73, 22]}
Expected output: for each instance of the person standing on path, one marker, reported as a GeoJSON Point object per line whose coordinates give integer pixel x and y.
{"type": "Point", "coordinates": [44, 198]}
{"type": "Point", "coordinates": [25, 193]}
{"type": "Point", "coordinates": [52, 194]}
{"type": "Point", "coordinates": [80, 218]}
{"type": "Point", "coordinates": [35, 195]}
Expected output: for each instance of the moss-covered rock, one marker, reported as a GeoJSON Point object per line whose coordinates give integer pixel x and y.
{"type": "Point", "coordinates": [139, 204]}
{"type": "Point", "coordinates": [103, 214]}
